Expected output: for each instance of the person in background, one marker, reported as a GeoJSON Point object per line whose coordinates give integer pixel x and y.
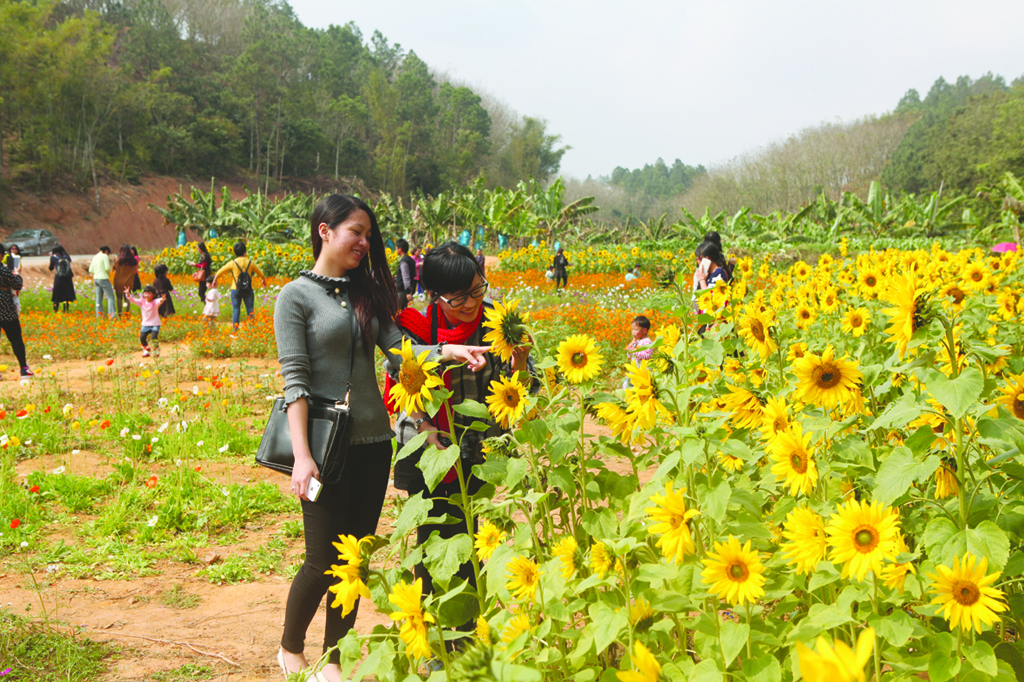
{"type": "Point", "coordinates": [163, 288]}
{"type": "Point", "coordinates": [13, 261]}
{"type": "Point", "coordinates": [712, 267]}
{"type": "Point", "coordinates": [126, 267]}
{"type": "Point", "coordinates": [640, 347]}
{"type": "Point", "coordinates": [136, 283]}
{"type": "Point", "coordinates": [559, 267]}
{"type": "Point", "coordinates": [10, 280]}
{"type": "Point", "coordinates": [63, 279]}
{"type": "Point", "coordinates": [241, 269]}
{"type": "Point", "coordinates": [100, 269]}
{"type": "Point", "coordinates": [211, 309]}
{"type": "Point", "coordinates": [405, 274]}
{"type": "Point", "coordinates": [482, 260]}
{"type": "Point", "coordinates": [417, 255]}
{"type": "Point", "coordinates": [205, 266]}
{"type": "Point", "coordinates": [149, 305]}
{"type": "Point", "coordinates": [634, 273]}
{"type": "Point", "coordinates": [716, 239]}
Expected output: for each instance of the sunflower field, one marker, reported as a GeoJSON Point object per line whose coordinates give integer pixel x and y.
{"type": "Point", "coordinates": [817, 475]}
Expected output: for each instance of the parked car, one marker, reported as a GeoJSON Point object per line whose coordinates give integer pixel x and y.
{"type": "Point", "coordinates": [32, 242]}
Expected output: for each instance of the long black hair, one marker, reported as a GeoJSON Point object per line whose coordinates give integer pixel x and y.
{"type": "Point", "coordinates": [125, 257]}
{"type": "Point", "coordinates": [372, 288]}
{"type": "Point", "coordinates": [714, 254]}
{"type": "Point", "coordinates": [448, 268]}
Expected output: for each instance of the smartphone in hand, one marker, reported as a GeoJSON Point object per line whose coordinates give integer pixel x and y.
{"type": "Point", "coordinates": [705, 265]}
{"type": "Point", "coordinates": [313, 489]}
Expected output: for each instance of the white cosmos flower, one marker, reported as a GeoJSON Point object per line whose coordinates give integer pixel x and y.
{"type": "Point", "coordinates": [174, 409]}
{"type": "Point", "coordinates": [224, 449]}
{"type": "Point", "coordinates": [59, 470]}
{"type": "Point", "coordinates": [75, 452]}
{"type": "Point", "coordinates": [24, 544]}
{"type": "Point", "coordinates": [199, 444]}
{"type": "Point", "coordinates": [225, 492]}
{"type": "Point", "coordinates": [154, 439]}
{"type": "Point", "coordinates": [162, 402]}
{"type": "Point", "coordinates": [195, 390]}
{"type": "Point", "coordinates": [177, 462]}
{"type": "Point", "coordinates": [124, 431]}
{"type": "Point", "coordinates": [152, 521]}
{"type": "Point", "coordinates": [136, 436]}
{"type": "Point", "coordinates": [162, 427]}
{"type": "Point", "coordinates": [47, 357]}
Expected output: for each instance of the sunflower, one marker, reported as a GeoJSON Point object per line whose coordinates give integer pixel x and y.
{"type": "Point", "coordinates": [975, 276]}
{"type": "Point", "coordinates": [730, 462]}
{"type": "Point", "coordinates": [519, 624]}
{"type": "Point", "coordinates": [946, 484]}
{"type": "Point", "coordinates": [734, 572]}
{"type": "Point", "coordinates": [862, 536]}
{"type": "Point", "coordinates": [601, 560]}
{"type": "Point", "coordinates": [641, 614]}
{"type": "Point", "coordinates": [856, 321]}
{"type": "Point", "coordinates": [415, 379]}
{"type": "Point", "coordinates": [745, 266]}
{"type": "Point", "coordinates": [829, 300]}
{"type": "Point", "coordinates": [796, 351]}
{"type": "Point", "coordinates": [618, 420]}
{"type": "Point", "coordinates": [804, 316]}
{"type": "Point", "coordinates": [794, 460]}
{"type": "Point", "coordinates": [870, 282]}
{"type": "Point", "coordinates": [642, 403]}
{"type": "Point", "coordinates": [953, 291]}
{"type": "Point", "coordinates": [414, 630]}
{"type": "Point", "coordinates": [1013, 395]}
{"type": "Point", "coordinates": [488, 539]}
{"type": "Point", "coordinates": [352, 576]}
{"type": "Point", "coordinates": [508, 329]}
{"type": "Point", "coordinates": [807, 544]}
{"type": "Point", "coordinates": [648, 668]}
{"type": "Point", "coordinates": [908, 314]}
{"type": "Point", "coordinates": [801, 270]}
{"type": "Point", "coordinates": [578, 358]}
{"type": "Point", "coordinates": [895, 575]}
{"type": "Point", "coordinates": [524, 576]}
{"type": "Point", "coordinates": [565, 550]}
{"type": "Point", "coordinates": [839, 663]}
{"type": "Point", "coordinates": [506, 401]}
{"type": "Point", "coordinates": [754, 328]}
{"type": "Point", "coordinates": [964, 594]}
{"type": "Point", "coordinates": [826, 381]}
{"type": "Point", "coordinates": [747, 410]}
{"type": "Point", "coordinates": [775, 418]}
{"type": "Point", "coordinates": [483, 630]}
{"type": "Point", "coordinates": [669, 518]}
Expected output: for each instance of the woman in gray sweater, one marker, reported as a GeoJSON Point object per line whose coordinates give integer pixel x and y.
{"type": "Point", "coordinates": [342, 308]}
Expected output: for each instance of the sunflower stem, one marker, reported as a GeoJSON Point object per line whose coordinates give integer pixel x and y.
{"type": "Point", "coordinates": [876, 650]}
{"type": "Point", "coordinates": [444, 652]}
{"type": "Point", "coordinates": [750, 628]}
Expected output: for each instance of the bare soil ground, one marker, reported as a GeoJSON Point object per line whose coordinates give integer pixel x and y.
{"type": "Point", "coordinates": [234, 630]}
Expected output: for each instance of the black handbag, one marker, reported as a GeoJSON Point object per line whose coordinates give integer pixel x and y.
{"type": "Point", "coordinates": [328, 429]}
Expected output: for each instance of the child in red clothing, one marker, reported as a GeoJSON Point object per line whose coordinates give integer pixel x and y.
{"type": "Point", "coordinates": [150, 307]}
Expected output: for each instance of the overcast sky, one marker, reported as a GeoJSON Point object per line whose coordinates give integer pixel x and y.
{"type": "Point", "coordinates": [624, 83]}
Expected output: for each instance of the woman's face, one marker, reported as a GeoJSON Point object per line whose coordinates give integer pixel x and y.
{"type": "Point", "coordinates": [349, 242]}
{"type": "Point", "coordinates": [469, 308]}
{"type": "Point", "coordinates": [148, 295]}
{"type": "Point", "coordinates": [16, 250]}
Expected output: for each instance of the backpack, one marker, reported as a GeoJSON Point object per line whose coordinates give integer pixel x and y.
{"type": "Point", "coordinates": [243, 283]}
{"type": "Point", "coordinates": [64, 268]}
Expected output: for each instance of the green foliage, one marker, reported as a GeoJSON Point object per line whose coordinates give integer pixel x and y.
{"type": "Point", "coordinates": [35, 651]}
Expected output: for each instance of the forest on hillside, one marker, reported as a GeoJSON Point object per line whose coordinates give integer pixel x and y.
{"type": "Point", "coordinates": [960, 138]}
{"type": "Point", "coordinates": [114, 89]}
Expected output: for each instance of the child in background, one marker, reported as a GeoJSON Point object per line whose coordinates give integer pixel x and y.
{"type": "Point", "coordinates": [639, 349]}
{"type": "Point", "coordinates": [211, 311]}
{"type": "Point", "coordinates": [163, 288]}
{"type": "Point", "coordinates": [149, 304]}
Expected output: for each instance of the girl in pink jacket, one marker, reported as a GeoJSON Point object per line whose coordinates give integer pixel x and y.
{"type": "Point", "coordinates": [150, 306]}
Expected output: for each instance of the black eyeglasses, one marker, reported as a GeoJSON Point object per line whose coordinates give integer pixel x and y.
{"type": "Point", "coordinates": [459, 301]}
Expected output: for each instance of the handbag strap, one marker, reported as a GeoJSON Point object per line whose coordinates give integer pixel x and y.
{"type": "Point", "coordinates": [352, 350]}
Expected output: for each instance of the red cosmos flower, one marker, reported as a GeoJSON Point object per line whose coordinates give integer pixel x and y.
{"type": "Point", "coordinates": [3, 414]}
{"type": "Point", "coordinates": [198, 469]}
{"type": "Point", "coordinates": [21, 413]}
{"type": "Point", "coordinates": [217, 384]}
{"type": "Point", "coordinates": [34, 489]}
{"type": "Point", "coordinates": [206, 405]}
{"type": "Point", "coordinates": [47, 410]}
{"type": "Point", "coordinates": [151, 483]}
{"type": "Point", "coordinates": [149, 448]}
{"type": "Point", "coordinates": [110, 361]}
{"type": "Point", "coordinates": [15, 523]}
{"type": "Point", "coordinates": [105, 424]}
{"type": "Point", "coordinates": [200, 378]}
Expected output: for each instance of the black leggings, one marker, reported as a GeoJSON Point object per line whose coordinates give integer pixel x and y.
{"type": "Point", "coordinates": [202, 288]}
{"type": "Point", "coordinates": [349, 507]}
{"type": "Point", "coordinates": [144, 336]}
{"type": "Point", "coordinates": [13, 330]}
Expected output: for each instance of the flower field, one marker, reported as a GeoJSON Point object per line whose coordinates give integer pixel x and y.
{"type": "Point", "coordinates": [824, 484]}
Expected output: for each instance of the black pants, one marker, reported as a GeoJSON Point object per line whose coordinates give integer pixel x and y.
{"type": "Point", "coordinates": [202, 288]}
{"type": "Point", "coordinates": [561, 278]}
{"type": "Point", "coordinates": [13, 330]}
{"type": "Point", "coordinates": [349, 507]}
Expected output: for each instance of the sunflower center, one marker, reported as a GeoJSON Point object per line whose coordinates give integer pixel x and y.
{"type": "Point", "coordinates": [780, 424]}
{"type": "Point", "coordinates": [799, 462]}
{"type": "Point", "coordinates": [966, 593]}
{"type": "Point", "coordinates": [805, 314]}
{"type": "Point", "coordinates": [856, 321]}
{"type": "Point", "coordinates": [411, 377]}
{"type": "Point", "coordinates": [977, 276]}
{"type": "Point", "coordinates": [827, 376]}
{"type": "Point", "coordinates": [579, 359]}
{"type": "Point", "coordinates": [757, 329]}
{"type": "Point", "coordinates": [870, 281]}
{"type": "Point", "coordinates": [865, 539]}
{"type": "Point", "coordinates": [957, 295]}
{"type": "Point", "coordinates": [1018, 408]}
{"type": "Point", "coordinates": [739, 572]}
{"type": "Point", "coordinates": [512, 398]}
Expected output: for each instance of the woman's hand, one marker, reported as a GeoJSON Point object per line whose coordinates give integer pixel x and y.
{"type": "Point", "coordinates": [304, 469]}
{"type": "Point", "coordinates": [472, 356]}
{"type": "Point", "coordinates": [520, 354]}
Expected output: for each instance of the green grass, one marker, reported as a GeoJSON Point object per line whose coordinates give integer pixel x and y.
{"type": "Point", "coordinates": [36, 652]}
{"type": "Point", "coordinates": [188, 671]}
{"type": "Point", "coordinates": [176, 597]}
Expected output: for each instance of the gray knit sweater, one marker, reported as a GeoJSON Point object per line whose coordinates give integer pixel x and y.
{"type": "Point", "coordinates": [313, 323]}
